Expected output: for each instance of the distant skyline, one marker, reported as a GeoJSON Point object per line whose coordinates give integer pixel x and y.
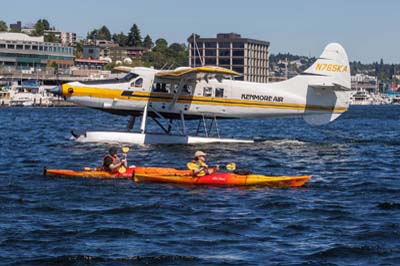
{"type": "Point", "coordinates": [369, 30]}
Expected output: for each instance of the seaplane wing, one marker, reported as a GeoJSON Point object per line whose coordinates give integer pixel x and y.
{"type": "Point", "coordinates": [320, 94]}
{"type": "Point", "coordinates": [203, 72]}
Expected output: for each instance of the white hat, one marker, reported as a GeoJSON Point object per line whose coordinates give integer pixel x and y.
{"type": "Point", "coordinates": [199, 153]}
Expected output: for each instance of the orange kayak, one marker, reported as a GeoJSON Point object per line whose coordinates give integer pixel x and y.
{"type": "Point", "coordinates": [171, 175]}
{"type": "Point", "coordinates": [89, 173]}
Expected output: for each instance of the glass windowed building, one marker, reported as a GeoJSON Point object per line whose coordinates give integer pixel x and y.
{"type": "Point", "coordinates": [20, 51]}
{"type": "Point", "coordinates": [229, 50]}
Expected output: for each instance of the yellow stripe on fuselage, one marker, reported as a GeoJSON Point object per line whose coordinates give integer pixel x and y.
{"type": "Point", "coordinates": [184, 99]}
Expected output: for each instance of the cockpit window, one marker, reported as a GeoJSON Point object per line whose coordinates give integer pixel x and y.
{"type": "Point", "coordinates": [138, 83]}
{"type": "Point", "coordinates": [130, 76]}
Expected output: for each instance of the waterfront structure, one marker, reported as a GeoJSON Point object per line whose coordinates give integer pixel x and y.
{"type": "Point", "coordinates": [107, 50]}
{"type": "Point", "coordinates": [66, 38]}
{"type": "Point", "coordinates": [97, 49]}
{"type": "Point", "coordinates": [20, 51]}
{"type": "Point", "coordinates": [83, 63]}
{"type": "Point", "coordinates": [128, 52]}
{"type": "Point", "coordinates": [365, 82]}
{"type": "Point", "coordinates": [229, 50]}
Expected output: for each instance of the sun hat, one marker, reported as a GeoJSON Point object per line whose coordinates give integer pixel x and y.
{"type": "Point", "coordinates": [199, 153]}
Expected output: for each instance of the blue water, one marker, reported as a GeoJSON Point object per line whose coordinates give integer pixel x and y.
{"type": "Point", "coordinates": [348, 214]}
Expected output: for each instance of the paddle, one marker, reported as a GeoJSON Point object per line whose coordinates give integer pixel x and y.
{"type": "Point", "coordinates": [125, 150]}
{"type": "Point", "coordinates": [231, 167]}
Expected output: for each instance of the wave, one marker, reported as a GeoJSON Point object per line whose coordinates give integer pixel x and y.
{"type": "Point", "coordinates": [134, 260]}
{"type": "Point", "coordinates": [352, 251]}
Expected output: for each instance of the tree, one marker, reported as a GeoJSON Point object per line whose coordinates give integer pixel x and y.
{"type": "Point", "coordinates": [104, 33]}
{"type": "Point", "coordinates": [79, 49]}
{"type": "Point", "coordinates": [46, 24]}
{"type": "Point", "coordinates": [3, 26]}
{"type": "Point", "coordinates": [39, 29]}
{"type": "Point", "coordinates": [51, 37]}
{"type": "Point", "coordinates": [121, 39]}
{"type": "Point", "coordinates": [161, 44]}
{"type": "Point", "coordinates": [40, 26]}
{"type": "Point", "coordinates": [100, 34]}
{"type": "Point", "coordinates": [162, 56]}
{"type": "Point", "coordinates": [134, 37]}
{"type": "Point", "coordinates": [178, 54]}
{"type": "Point", "coordinates": [148, 42]}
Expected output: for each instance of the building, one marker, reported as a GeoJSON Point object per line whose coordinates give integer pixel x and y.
{"type": "Point", "coordinates": [97, 49]}
{"type": "Point", "coordinates": [108, 50]}
{"type": "Point", "coordinates": [82, 63]}
{"type": "Point", "coordinates": [20, 51]}
{"type": "Point", "coordinates": [16, 26]}
{"type": "Point", "coordinates": [229, 50]}
{"type": "Point", "coordinates": [66, 38]}
{"type": "Point", "coordinates": [123, 53]}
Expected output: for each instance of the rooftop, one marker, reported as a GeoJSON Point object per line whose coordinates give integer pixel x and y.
{"type": "Point", "coordinates": [14, 36]}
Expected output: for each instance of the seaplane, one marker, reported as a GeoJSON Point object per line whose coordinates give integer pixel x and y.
{"type": "Point", "coordinates": [320, 94]}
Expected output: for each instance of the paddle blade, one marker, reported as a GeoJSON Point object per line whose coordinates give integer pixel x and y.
{"type": "Point", "coordinates": [231, 167]}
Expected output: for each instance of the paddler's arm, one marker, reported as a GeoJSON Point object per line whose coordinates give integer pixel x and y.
{"type": "Point", "coordinates": [195, 168]}
{"type": "Point", "coordinates": [114, 167]}
{"type": "Point", "coordinates": [124, 160]}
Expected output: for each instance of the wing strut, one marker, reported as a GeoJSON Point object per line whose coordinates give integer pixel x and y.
{"type": "Point", "coordinates": [177, 94]}
{"type": "Point", "coordinates": [144, 118]}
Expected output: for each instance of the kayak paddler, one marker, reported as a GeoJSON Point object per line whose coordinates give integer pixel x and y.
{"type": "Point", "coordinates": [199, 166]}
{"type": "Point", "coordinates": [112, 163]}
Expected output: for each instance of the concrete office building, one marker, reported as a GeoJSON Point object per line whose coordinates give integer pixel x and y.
{"type": "Point", "coordinates": [229, 50]}
{"type": "Point", "coordinates": [20, 51]}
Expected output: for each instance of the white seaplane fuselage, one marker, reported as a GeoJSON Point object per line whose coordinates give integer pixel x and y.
{"type": "Point", "coordinates": [320, 94]}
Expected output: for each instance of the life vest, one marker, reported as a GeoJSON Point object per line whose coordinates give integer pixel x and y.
{"type": "Point", "coordinates": [196, 165]}
{"type": "Point", "coordinates": [114, 161]}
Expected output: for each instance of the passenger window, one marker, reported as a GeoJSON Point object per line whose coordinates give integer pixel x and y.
{"type": "Point", "coordinates": [219, 92]}
{"type": "Point", "coordinates": [139, 83]}
{"type": "Point", "coordinates": [187, 89]}
{"type": "Point", "coordinates": [207, 91]}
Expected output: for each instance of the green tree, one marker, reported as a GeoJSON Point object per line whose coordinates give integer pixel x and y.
{"type": "Point", "coordinates": [121, 39]}
{"type": "Point", "coordinates": [178, 54]}
{"type": "Point", "coordinates": [162, 56]}
{"type": "Point", "coordinates": [79, 49]}
{"type": "Point", "coordinates": [39, 29]}
{"type": "Point", "coordinates": [100, 34]}
{"type": "Point", "coordinates": [161, 44]}
{"type": "Point", "coordinates": [46, 24]}
{"type": "Point", "coordinates": [148, 42]}
{"type": "Point", "coordinates": [104, 33]}
{"type": "Point", "coordinates": [51, 37]}
{"type": "Point", "coordinates": [40, 26]}
{"type": "Point", "coordinates": [3, 26]}
{"type": "Point", "coordinates": [134, 37]}
{"type": "Point", "coordinates": [92, 35]}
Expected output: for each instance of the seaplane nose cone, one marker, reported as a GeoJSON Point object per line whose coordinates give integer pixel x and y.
{"type": "Point", "coordinates": [56, 91]}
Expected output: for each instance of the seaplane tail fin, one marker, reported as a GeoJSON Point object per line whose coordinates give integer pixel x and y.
{"type": "Point", "coordinates": [329, 86]}
{"type": "Point", "coordinates": [331, 68]}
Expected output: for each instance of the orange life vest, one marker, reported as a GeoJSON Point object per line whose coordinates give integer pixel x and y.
{"type": "Point", "coordinates": [114, 161]}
